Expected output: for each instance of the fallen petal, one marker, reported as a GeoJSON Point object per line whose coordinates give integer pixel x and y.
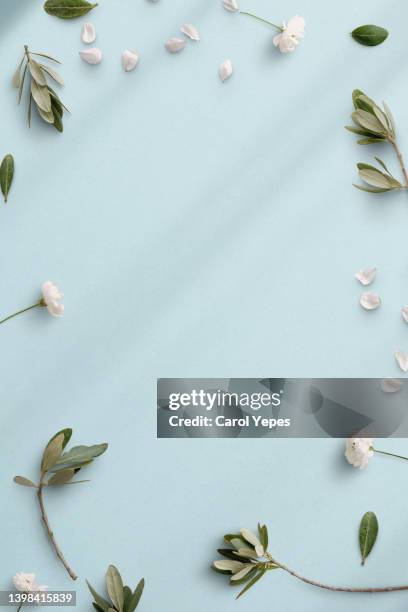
{"type": "Point", "coordinates": [91, 56]}
{"type": "Point", "coordinates": [404, 313]}
{"type": "Point", "coordinates": [88, 33]}
{"type": "Point", "coordinates": [191, 31]}
{"type": "Point", "coordinates": [402, 360]}
{"type": "Point", "coordinates": [366, 276]}
{"type": "Point", "coordinates": [225, 70]}
{"type": "Point", "coordinates": [130, 60]}
{"type": "Point", "coordinates": [174, 45]}
{"type": "Point", "coordinates": [230, 5]}
{"type": "Point", "coordinates": [370, 301]}
{"type": "Point", "coordinates": [391, 385]}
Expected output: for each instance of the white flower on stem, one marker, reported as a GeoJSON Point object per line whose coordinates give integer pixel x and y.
{"type": "Point", "coordinates": [51, 297]}
{"type": "Point", "coordinates": [91, 56]}
{"type": "Point", "coordinates": [27, 583]}
{"type": "Point", "coordinates": [130, 60]}
{"type": "Point", "coordinates": [292, 33]}
{"type": "Point", "coordinates": [230, 5]}
{"type": "Point", "coordinates": [359, 451]}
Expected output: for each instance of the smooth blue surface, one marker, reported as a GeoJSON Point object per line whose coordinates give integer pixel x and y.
{"type": "Point", "coordinates": [199, 229]}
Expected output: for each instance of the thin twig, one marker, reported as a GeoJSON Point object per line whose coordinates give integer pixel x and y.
{"type": "Point", "coordinates": [401, 160]}
{"type": "Point", "coordinates": [329, 587]}
{"type": "Point", "coordinates": [51, 534]}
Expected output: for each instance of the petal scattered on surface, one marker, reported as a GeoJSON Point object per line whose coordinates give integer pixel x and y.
{"type": "Point", "coordinates": [370, 301]}
{"type": "Point", "coordinates": [190, 30]}
{"type": "Point", "coordinates": [91, 56]}
{"type": "Point", "coordinates": [391, 385]}
{"type": "Point", "coordinates": [366, 276]}
{"type": "Point", "coordinates": [231, 5]}
{"type": "Point", "coordinates": [225, 70]}
{"type": "Point", "coordinates": [88, 33]}
{"type": "Point", "coordinates": [404, 313]}
{"type": "Point", "coordinates": [402, 360]}
{"type": "Point", "coordinates": [174, 45]}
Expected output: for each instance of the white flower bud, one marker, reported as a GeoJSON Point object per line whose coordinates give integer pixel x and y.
{"type": "Point", "coordinates": [88, 33]}
{"type": "Point", "coordinates": [91, 56]}
{"type": "Point", "coordinates": [130, 60]}
{"type": "Point", "coordinates": [174, 45]}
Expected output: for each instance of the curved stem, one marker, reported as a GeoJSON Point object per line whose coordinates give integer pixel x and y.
{"type": "Point", "coordinates": [19, 607]}
{"type": "Point", "coordinates": [401, 161]}
{"type": "Point", "coordinates": [261, 19]}
{"type": "Point", "coordinates": [389, 454]}
{"type": "Point", "coordinates": [329, 587]}
{"type": "Point", "coordinates": [51, 534]}
{"type": "Point", "coordinates": [19, 312]}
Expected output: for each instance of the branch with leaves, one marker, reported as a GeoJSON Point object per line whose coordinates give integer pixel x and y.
{"type": "Point", "coordinates": [376, 125]}
{"type": "Point", "coordinates": [57, 469]}
{"type": "Point", "coordinates": [122, 598]}
{"type": "Point", "coordinates": [248, 560]}
{"type": "Point", "coordinates": [45, 99]}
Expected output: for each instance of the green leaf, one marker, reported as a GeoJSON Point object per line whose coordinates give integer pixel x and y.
{"type": "Point", "coordinates": [46, 56]}
{"type": "Point", "coordinates": [52, 453]}
{"type": "Point", "coordinates": [52, 73]}
{"type": "Point", "coordinates": [79, 456]}
{"type": "Point", "coordinates": [367, 121]}
{"type": "Point", "coordinates": [380, 161]}
{"type": "Point", "coordinates": [390, 119]}
{"type": "Point", "coordinates": [101, 601]}
{"type": "Point", "coordinates": [376, 178]}
{"type": "Point", "coordinates": [370, 35]}
{"type": "Point", "coordinates": [98, 608]}
{"type": "Point", "coordinates": [16, 82]}
{"type": "Point", "coordinates": [24, 482]}
{"type": "Point", "coordinates": [47, 117]}
{"type": "Point", "coordinates": [370, 141]}
{"type": "Point", "coordinates": [61, 478]}
{"type": "Point", "coordinates": [127, 596]}
{"type": "Point", "coordinates": [370, 189]}
{"type": "Point", "coordinates": [37, 73]}
{"type": "Point", "coordinates": [360, 132]}
{"type": "Point", "coordinates": [231, 554]}
{"type": "Point", "coordinates": [367, 534]}
{"type": "Point", "coordinates": [263, 535]}
{"type": "Point", "coordinates": [67, 436]}
{"type": "Point", "coordinates": [236, 540]}
{"type": "Point", "coordinates": [251, 583]}
{"type": "Point", "coordinates": [6, 175]}
{"type": "Point", "coordinates": [20, 91]}
{"type": "Point", "coordinates": [68, 9]}
{"type": "Point", "coordinates": [245, 578]}
{"type": "Point", "coordinates": [114, 586]}
{"type": "Point", "coordinates": [41, 96]}
{"type": "Point", "coordinates": [137, 594]}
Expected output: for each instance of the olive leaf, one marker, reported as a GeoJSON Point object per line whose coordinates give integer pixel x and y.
{"type": "Point", "coordinates": [370, 35]}
{"type": "Point", "coordinates": [68, 9]}
{"type": "Point", "coordinates": [79, 456]}
{"type": "Point", "coordinates": [367, 534]}
{"type": "Point", "coordinates": [6, 175]}
{"type": "Point", "coordinates": [251, 583]}
{"type": "Point", "coordinates": [122, 598]}
{"type": "Point", "coordinates": [376, 178]}
{"type": "Point", "coordinates": [52, 455]}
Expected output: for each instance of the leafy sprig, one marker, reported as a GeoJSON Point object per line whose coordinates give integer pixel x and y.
{"type": "Point", "coordinates": [376, 125]}
{"type": "Point", "coordinates": [47, 102]}
{"type": "Point", "coordinates": [59, 468]}
{"type": "Point", "coordinates": [122, 598]}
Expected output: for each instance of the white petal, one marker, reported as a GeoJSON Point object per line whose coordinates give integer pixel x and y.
{"type": "Point", "coordinates": [230, 5]}
{"type": "Point", "coordinates": [130, 60]}
{"type": "Point", "coordinates": [391, 385]}
{"type": "Point", "coordinates": [191, 31]}
{"type": "Point", "coordinates": [370, 301]}
{"type": "Point", "coordinates": [366, 276]}
{"type": "Point", "coordinates": [174, 45]}
{"type": "Point", "coordinates": [88, 33]}
{"type": "Point", "coordinates": [402, 360]}
{"type": "Point", "coordinates": [91, 56]}
{"type": "Point", "coordinates": [404, 313]}
{"type": "Point", "coordinates": [225, 70]}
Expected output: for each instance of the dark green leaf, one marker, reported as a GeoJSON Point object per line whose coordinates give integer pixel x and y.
{"type": "Point", "coordinates": [24, 482]}
{"type": "Point", "coordinates": [369, 35]}
{"type": "Point", "coordinates": [231, 554]}
{"type": "Point", "coordinates": [252, 582]}
{"type": "Point", "coordinates": [98, 608]}
{"type": "Point", "coordinates": [127, 596]}
{"type": "Point", "coordinates": [137, 594]}
{"type": "Point", "coordinates": [114, 586]}
{"type": "Point", "coordinates": [6, 175]}
{"type": "Point", "coordinates": [101, 601]}
{"type": "Point", "coordinates": [263, 535]}
{"type": "Point", "coordinates": [68, 9]}
{"type": "Point", "coordinates": [367, 534]}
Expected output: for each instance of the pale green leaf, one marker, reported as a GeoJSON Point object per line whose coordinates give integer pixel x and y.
{"type": "Point", "coordinates": [24, 482]}
{"type": "Point", "coordinates": [114, 586]}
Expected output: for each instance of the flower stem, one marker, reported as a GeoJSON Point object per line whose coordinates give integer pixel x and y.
{"type": "Point", "coordinates": [401, 160]}
{"type": "Point", "coordinates": [20, 312]}
{"type": "Point", "coordinates": [329, 587]}
{"type": "Point", "coordinates": [50, 532]}
{"type": "Point", "coordinates": [19, 607]}
{"type": "Point", "coordinates": [389, 454]}
{"type": "Point", "coordinates": [261, 19]}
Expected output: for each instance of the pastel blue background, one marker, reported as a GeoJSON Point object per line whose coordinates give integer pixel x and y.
{"type": "Point", "coordinates": [199, 229]}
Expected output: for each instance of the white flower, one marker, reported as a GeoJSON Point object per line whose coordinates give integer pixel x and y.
{"type": "Point", "coordinates": [51, 297]}
{"type": "Point", "coordinates": [27, 583]}
{"type": "Point", "coordinates": [359, 451]}
{"type": "Point", "coordinates": [292, 33]}
{"type": "Point", "coordinates": [130, 60]}
{"type": "Point", "coordinates": [91, 56]}
{"type": "Point", "coordinates": [230, 5]}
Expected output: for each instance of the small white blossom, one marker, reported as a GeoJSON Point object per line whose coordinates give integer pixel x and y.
{"type": "Point", "coordinates": [27, 583]}
{"type": "Point", "coordinates": [359, 451]}
{"type": "Point", "coordinates": [292, 33]}
{"type": "Point", "coordinates": [51, 297]}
